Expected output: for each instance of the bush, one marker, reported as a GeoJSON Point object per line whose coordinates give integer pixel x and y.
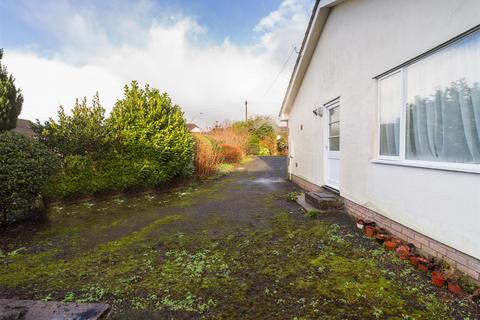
{"type": "Point", "coordinates": [26, 166]}
{"type": "Point", "coordinates": [82, 175]}
{"type": "Point", "coordinates": [11, 99]}
{"type": "Point", "coordinates": [143, 144]}
{"type": "Point", "coordinates": [233, 135]}
{"type": "Point", "coordinates": [231, 154]}
{"type": "Point", "coordinates": [208, 155]}
{"type": "Point", "coordinates": [81, 133]}
{"type": "Point", "coordinates": [148, 129]}
{"type": "Point", "coordinates": [262, 135]}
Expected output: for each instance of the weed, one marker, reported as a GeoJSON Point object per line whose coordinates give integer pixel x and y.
{"type": "Point", "coordinates": [312, 213]}
{"type": "Point", "coordinates": [377, 313]}
{"type": "Point", "coordinates": [11, 254]}
{"type": "Point", "coordinates": [292, 196]}
{"type": "Point", "coordinates": [69, 297]}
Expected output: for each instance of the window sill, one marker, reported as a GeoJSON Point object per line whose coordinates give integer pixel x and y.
{"type": "Point", "coordinates": [457, 167]}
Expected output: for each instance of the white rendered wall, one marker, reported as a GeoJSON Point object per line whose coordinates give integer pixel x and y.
{"type": "Point", "coordinates": [361, 39]}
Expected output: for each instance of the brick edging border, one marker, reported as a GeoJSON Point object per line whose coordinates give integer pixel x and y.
{"type": "Point", "coordinates": [426, 245]}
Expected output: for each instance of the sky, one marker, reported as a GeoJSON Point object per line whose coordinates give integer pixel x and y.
{"type": "Point", "coordinates": [209, 55]}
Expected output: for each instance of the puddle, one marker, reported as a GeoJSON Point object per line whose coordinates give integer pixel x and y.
{"type": "Point", "coordinates": [268, 180]}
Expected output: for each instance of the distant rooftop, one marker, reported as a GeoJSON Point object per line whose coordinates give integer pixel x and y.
{"type": "Point", "coordinates": [24, 127]}
{"type": "Point", "coordinates": [192, 127]}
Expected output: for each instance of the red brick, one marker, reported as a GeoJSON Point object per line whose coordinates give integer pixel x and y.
{"type": "Point", "coordinates": [429, 251]}
{"type": "Point", "coordinates": [396, 233]}
{"type": "Point", "coordinates": [409, 233]}
{"type": "Point", "coordinates": [474, 274]}
{"type": "Point", "coordinates": [368, 214]}
{"type": "Point", "coordinates": [423, 240]}
{"type": "Point", "coordinates": [417, 244]}
{"type": "Point", "coordinates": [396, 227]}
{"type": "Point", "coordinates": [457, 257]}
{"type": "Point", "coordinates": [449, 261]}
{"type": "Point", "coordinates": [473, 264]}
{"type": "Point", "coordinates": [438, 247]}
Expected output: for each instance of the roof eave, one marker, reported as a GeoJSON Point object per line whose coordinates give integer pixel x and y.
{"type": "Point", "coordinates": [312, 35]}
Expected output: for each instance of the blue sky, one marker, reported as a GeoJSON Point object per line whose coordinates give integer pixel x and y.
{"type": "Point", "coordinates": [209, 55]}
{"type": "Point", "coordinates": [224, 19]}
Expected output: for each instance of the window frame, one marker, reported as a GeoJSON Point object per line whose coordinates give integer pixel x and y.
{"type": "Point", "coordinates": [401, 143]}
{"type": "Point", "coordinates": [401, 158]}
{"type": "Point", "coordinates": [329, 123]}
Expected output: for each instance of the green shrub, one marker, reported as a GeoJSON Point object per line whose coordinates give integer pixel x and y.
{"type": "Point", "coordinates": [263, 133]}
{"type": "Point", "coordinates": [25, 167]}
{"type": "Point", "coordinates": [11, 99]}
{"type": "Point", "coordinates": [146, 127]}
{"type": "Point", "coordinates": [81, 133]}
{"type": "Point", "coordinates": [82, 175]}
{"type": "Point", "coordinates": [144, 144]}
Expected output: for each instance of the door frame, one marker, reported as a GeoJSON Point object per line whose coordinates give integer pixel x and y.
{"type": "Point", "coordinates": [334, 103]}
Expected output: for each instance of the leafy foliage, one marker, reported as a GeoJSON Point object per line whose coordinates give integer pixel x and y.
{"type": "Point", "coordinates": [83, 175]}
{"type": "Point", "coordinates": [293, 196]}
{"type": "Point", "coordinates": [146, 125]}
{"type": "Point", "coordinates": [26, 165]}
{"type": "Point", "coordinates": [81, 133]}
{"type": "Point", "coordinates": [263, 133]}
{"type": "Point", "coordinates": [11, 99]}
{"type": "Point", "coordinates": [231, 153]}
{"type": "Point", "coordinates": [208, 155]}
{"type": "Point", "coordinates": [143, 144]}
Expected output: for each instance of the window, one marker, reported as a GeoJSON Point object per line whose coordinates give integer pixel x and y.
{"type": "Point", "coordinates": [334, 129]}
{"type": "Point", "coordinates": [429, 110]}
{"type": "Point", "coordinates": [391, 104]}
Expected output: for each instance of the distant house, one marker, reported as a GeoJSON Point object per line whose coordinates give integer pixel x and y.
{"type": "Point", "coordinates": [193, 128]}
{"type": "Point", "coordinates": [24, 127]}
{"type": "Point", "coordinates": [384, 106]}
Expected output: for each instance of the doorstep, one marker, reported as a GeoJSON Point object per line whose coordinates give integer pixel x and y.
{"type": "Point", "coordinates": [324, 200]}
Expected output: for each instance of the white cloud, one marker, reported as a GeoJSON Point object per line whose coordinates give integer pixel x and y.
{"type": "Point", "coordinates": [214, 79]}
{"type": "Point", "coordinates": [287, 10]}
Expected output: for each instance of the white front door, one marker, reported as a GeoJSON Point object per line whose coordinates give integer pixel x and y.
{"type": "Point", "coordinates": [332, 146]}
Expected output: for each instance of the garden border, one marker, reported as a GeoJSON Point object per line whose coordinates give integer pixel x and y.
{"type": "Point", "coordinates": [426, 245]}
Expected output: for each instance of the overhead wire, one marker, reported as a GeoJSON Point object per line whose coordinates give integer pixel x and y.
{"type": "Point", "coordinates": [294, 50]}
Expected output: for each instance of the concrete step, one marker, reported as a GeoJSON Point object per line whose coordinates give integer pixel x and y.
{"type": "Point", "coordinates": [323, 200]}
{"type": "Point", "coordinates": [39, 310]}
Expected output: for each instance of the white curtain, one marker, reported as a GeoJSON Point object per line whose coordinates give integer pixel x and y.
{"type": "Point", "coordinates": [445, 126]}
{"type": "Point", "coordinates": [390, 138]}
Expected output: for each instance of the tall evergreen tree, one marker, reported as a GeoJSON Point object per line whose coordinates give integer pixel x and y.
{"type": "Point", "coordinates": [11, 99]}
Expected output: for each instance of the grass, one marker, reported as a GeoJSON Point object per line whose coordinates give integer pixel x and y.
{"type": "Point", "coordinates": [175, 265]}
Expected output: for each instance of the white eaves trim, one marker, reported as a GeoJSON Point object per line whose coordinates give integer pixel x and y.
{"type": "Point", "coordinates": [317, 22]}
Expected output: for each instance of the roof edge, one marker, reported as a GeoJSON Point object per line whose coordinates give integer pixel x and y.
{"type": "Point", "coordinates": [315, 26]}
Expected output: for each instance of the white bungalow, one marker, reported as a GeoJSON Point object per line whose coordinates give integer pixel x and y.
{"type": "Point", "coordinates": [384, 107]}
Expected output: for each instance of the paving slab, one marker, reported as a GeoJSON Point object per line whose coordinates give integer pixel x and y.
{"type": "Point", "coordinates": [305, 205]}
{"type": "Point", "coordinates": [323, 200]}
{"type": "Point", "coordinates": [11, 309]}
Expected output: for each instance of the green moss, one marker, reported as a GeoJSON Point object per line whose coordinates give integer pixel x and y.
{"type": "Point", "coordinates": [105, 260]}
{"type": "Point", "coordinates": [247, 159]}
{"type": "Point", "coordinates": [219, 267]}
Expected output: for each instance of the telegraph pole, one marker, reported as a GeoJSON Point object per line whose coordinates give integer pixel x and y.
{"type": "Point", "coordinates": [246, 110]}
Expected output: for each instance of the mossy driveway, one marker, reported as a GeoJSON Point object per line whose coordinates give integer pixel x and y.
{"type": "Point", "coordinates": [230, 248]}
